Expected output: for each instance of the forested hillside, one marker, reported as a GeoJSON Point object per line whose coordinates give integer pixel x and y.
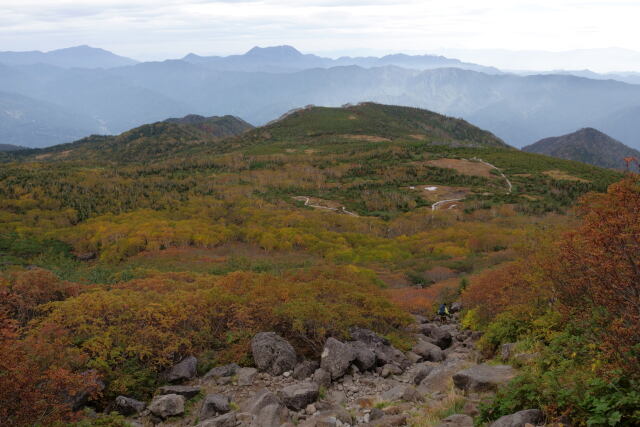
{"type": "Point", "coordinates": [122, 256]}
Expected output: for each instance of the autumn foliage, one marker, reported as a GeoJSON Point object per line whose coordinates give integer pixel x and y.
{"type": "Point", "coordinates": [598, 270]}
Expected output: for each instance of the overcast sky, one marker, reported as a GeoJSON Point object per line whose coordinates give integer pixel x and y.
{"type": "Point", "coordinates": [158, 29]}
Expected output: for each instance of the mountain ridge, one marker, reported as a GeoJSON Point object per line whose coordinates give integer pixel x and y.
{"type": "Point", "coordinates": [586, 145]}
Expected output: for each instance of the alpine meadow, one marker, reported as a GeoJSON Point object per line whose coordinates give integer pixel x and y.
{"type": "Point", "coordinates": [228, 261]}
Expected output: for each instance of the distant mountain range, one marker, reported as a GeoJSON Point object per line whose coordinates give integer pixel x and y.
{"type": "Point", "coordinates": [265, 83]}
{"type": "Point", "coordinates": [281, 59]}
{"type": "Point", "coordinates": [588, 146]}
{"type": "Point", "coordinates": [72, 57]}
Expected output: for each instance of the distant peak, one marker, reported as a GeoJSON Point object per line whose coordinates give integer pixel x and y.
{"type": "Point", "coordinates": [274, 51]}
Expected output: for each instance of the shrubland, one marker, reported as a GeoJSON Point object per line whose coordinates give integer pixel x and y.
{"type": "Point", "coordinates": [114, 267]}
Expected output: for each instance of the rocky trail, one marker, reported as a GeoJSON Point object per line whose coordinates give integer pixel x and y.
{"type": "Point", "coordinates": [365, 381]}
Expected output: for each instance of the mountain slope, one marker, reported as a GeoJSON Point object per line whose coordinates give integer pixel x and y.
{"type": "Point", "coordinates": [30, 122]}
{"type": "Point", "coordinates": [217, 127]}
{"type": "Point", "coordinates": [377, 121]}
{"type": "Point", "coordinates": [586, 145]}
{"type": "Point", "coordinates": [72, 57]}
{"type": "Point", "coordinates": [160, 140]}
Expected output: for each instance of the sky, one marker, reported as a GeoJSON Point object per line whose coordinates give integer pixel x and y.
{"type": "Point", "coordinates": [160, 29]}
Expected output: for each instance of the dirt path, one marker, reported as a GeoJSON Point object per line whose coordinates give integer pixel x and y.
{"type": "Point", "coordinates": [441, 202]}
{"type": "Point", "coordinates": [340, 209]}
{"type": "Point", "coordinates": [499, 171]}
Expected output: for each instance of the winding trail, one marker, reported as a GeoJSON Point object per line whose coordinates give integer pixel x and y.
{"type": "Point", "coordinates": [437, 204]}
{"type": "Point", "coordinates": [499, 171]}
{"type": "Point", "coordinates": [340, 210]}
{"type": "Point", "coordinates": [509, 185]}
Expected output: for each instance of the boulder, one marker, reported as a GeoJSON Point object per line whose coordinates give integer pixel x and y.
{"type": "Point", "coordinates": [226, 420]}
{"type": "Point", "coordinates": [520, 419]}
{"type": "Point", "coordinates": [261, 399]}
{"type": "Point", "coordinates": [183, 371]}
{"type": "Point", "coordinates": [413, 357]}
{"type": "Point", "coordinates": [420, 319]}
{"type": "Point", "coordinates": [322, 378]}
{"type": "Point", "coordinates": [272, 353]}
{"type": "Point", "coordinates": [401, 392]}
{"type": "Point", "coordinates": [428, 351]}
{"type": "Point", "coordinates": [390, 369]}
{"type": "Point", "coordinates": [305, 369]}
{"type": "Point", "coordinates": [246, 376]}
{"type": "Point", "coordinates": [456, 420]}
{"type": "Point", "coordinates": [421, 373]}
{"type": "Point", "coordinates": [439, 378]}
{"type": "Point", "coordinates": [384, 351]}
{"type": "Point", "coordinates": [455, 307]}
{"type": "Point", "coordinates": [336, 358]}
{"type": "Point", "coordinates": [128, 406]}
{"type": "Point", "coordinates": [213, 405]}
{"type": "Point", "coordinates": [365, 357]}
{"type": "Point", "coordinates": [390, 421]}
{"type": "Point", "coordinates": [483, 377]}
{"type": "Point", "coordinates": [368, 337]}
{"type": "Point", "coordinates": [271, 416]}
{"type": "Point", "coordinates": [386, 354]}
{"type": "Point", "coordinates": [167, 405]}
{"type": "Point", "coordinates": [437, 335]}
{"type": "Point", "coordinates": [222, 371]}
{"type": "Point", "coordinates": [297, 396]}
{"type": "Point", "coordinates": [187, 391]}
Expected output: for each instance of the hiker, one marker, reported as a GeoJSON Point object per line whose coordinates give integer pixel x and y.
{"type": "Point", "coordinates": [443, 312]}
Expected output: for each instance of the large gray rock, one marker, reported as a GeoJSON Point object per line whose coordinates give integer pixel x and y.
{"type": "Point", "coordinates": [297, 396]}
{"type": "Point", "coordinates": [430, 352]}
{"type": "Point", "coordinates": [183, 371]}
{"type": "Point", "coordinates": [456, 420]}
{"type": "Point", "coordinates": [187, 391]}
{"type": "Point", "coordinates": [336, 358]}
{"type": "Point", "coordinates": [384, 351]}
{"type": "Point", "coordinates": [455, 307]}
{"type": "Point", "coordinates": [213, 405]}
{"type": "Point", "coordinates": [483, 377]}
{"type": "Point", "coordinates": [439, 378]}
{"type": "Point", "coordinates": [520, 419]}
{"type": "Point", "coordinates": [368, 337]}
{"type": "Point", "coordinates": [421, 373]}
{"type": "Point", "coordinates": [390, 421]}
{"type": "Point", "coordinates": [128, 406]}
{"type": "Point", "coordinates": [401, 392]}
{"type": "Point", "coordinates": [226, 420]}
{"type": "Point", "coordinates": [305, 369]}
{"type": "Point", "coordinates": [246, 376]}
{"type": "Point", "coordinates": [390, 369]}
{"type": "Point", "coordinates": [322, 378]}
{"type": "Point", "coordinates": [222, 371]}
{"type": "Point", "coordinates": [272, 353]}
{"type": "Point", "coordinates": [167, 405]}
{"type": "Point", "coordinates": [271, 416]}
{"type": "Point", "coordinates": [261, 399]}
{"type": "Point", "coordinates": [365, 357]}
{"type": "Point", "coordinates": [437, 335]}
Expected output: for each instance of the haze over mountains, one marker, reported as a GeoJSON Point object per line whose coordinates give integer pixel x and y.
{"type": "Point", "coordinates": [62, 96]}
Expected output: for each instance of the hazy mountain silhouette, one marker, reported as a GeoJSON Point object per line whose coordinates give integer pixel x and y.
{"type": "Point", "coordinates": [588, 146]}
{"type": "Point", "coordinates": [289, 59]}
{"type": "Point", "coordinates": [72, 57]}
